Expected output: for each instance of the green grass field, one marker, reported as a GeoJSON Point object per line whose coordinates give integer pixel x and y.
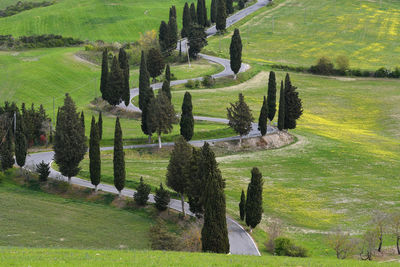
{"type": "Point", "coordinates": [294, 32]}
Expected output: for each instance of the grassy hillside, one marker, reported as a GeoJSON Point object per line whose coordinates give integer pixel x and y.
{"type": "Point", "coordinates": [70, 257]}
{"type": "Point", "coordinates": [298, 32]}
{"type": "Point", "coordinates": [108, 20]}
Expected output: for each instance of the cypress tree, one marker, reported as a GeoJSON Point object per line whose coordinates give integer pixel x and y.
{"type": "Point", "coordinates": [83, 121]}
{"type": "Point", "coordinates": [94, 154]}
{"type": "Point", "coordinates": [242, 205]}
{"type": "Point", "coordinates": [115, 83]}
{"type": "Point", "coordinates": [6, 153]}
{"type": "Point", "coordinates": [229, 6]}
{"type": "Point", "coordinates": [100, 126]}
{"type": "Point", "coordinates": [293, 105]}
{"type": "Point", "coordinates": [168, 73]}
{"type": "Point", "coordinates": [213, 11]}
{"type": "Point", "coordinates": [69, 140]}
{"type": "Point", "coordinates": [186, 21]}
{"type": "Point", "coordinates": [163, 38]}
{"type": "Point", "coordinates": [21, 145]}
{"type": "Point", "coordinates": [148, 120]}
{"type": "Point", "coordinates": [205, 18]}
{"type": "Point", "coordinates": [254, 208]}
{"type": "Point", "coordinates": [221, 16]}
{"type": "Point", "coordinates": [281, 113]}
{"type": "Point", "coordinates": [178, 170]}
{"type": "Point", "coordinates": [200, 16]}
{"type": "Point", "coordinates": [271, 98]}
{"type": "Point", "coordinates": [187, 120]}
{"type": "Point", "coordinates": [193, 15]}
{"type": "Point", "coordinates": [104, 75]}
{"type": "Point", "coordinates": [263, 119]}
{"type": "Point", "coordinates": [235, 51]}
{"type": "Point", "coordinates": [144, 83]}
{"type": "Point", "coordinates": [197, 40]}
{"type": "Point", "coordinates": [172, 34]}
{"type": "Point", "coordinates": [172, 12]}
{"type": "Point", "coordinates": [162, 198]}
{"type": "Point", "coordinates": [214, 235]}
{"type": "Point", "coordinates": [119, 159]}
{"type": "Point", "coordinates": [195, 186]}
{"type": "Point", "coordinates": [166, 88]}
{"type": "Point", "coordinates": [155, 63]}
{"type": "Point", "coordinates": [124, 65]}
{"type": "Point", "coordinates": [142, 193]}
{"type": "Point", "coordinates": [240, 117]}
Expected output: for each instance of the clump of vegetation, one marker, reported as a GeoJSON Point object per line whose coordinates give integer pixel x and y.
{"type": "Point", "coordinates": [37, 41]}
{"type": "Point", "coordinates": [44, 170]}
{"type": "Point", "coordinates": [208, 81]}
{"type": "Point", "coordinates": [161, 238]}
{"type": "Point", "coordinates": [22, 6]}
{"type": "Point", "coordinates": [192, 84]}
{"type": "Point", "coordinates": [162, 198]}
{"type": "Point", "coordinates": [142, 194]}
{"type": "Point", "coordinates": [285, 247]}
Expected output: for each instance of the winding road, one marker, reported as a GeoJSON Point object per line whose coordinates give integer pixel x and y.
{"type": "Point", "coordinates": [240, 241]}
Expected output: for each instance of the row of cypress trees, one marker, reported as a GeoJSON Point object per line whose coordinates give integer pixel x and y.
{"type": "Point", "coordinates": [168, 33]}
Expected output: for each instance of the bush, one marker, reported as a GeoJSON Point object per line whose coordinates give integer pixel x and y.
{"type": "Point", "coordinates": [342, 63]}
{"type": "Point", "coordinates": [190, 84]}
{"type": "Point", "coordinates": [241, 4]}
{"type": "Point", "coordinates": [324, 66]}
{"type": "Point", "coordinates": [208, 81]}
{"type": "Point", "coordinates": [22, 6]}
{"type": "Point", "coordinates": [44, 170]}
{"type": "Point", "coordinates": [162, 198]}
{"type": "Point", "coordinates": [285, 247]}
{"type": "Point", "coordinates": [142, 194]}
{"type": "Point", "coordinates": [382, 73]}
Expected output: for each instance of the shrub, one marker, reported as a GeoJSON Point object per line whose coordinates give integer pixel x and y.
{"type": "Point", "coordinates": [274, 230]}
{"type": "Point", "coordinates": [190, 84]}
{"type": "Point", "coordinates": [142, 194]}
{"type": "Point", "coordinates": [342, 63]}
{"type": "Point", "coordinates": [208, 81]}
{"type": "Point", "coordinates": [44, 170]}
{"type": "Point", "coordinates": [241, 4]}
{"type": "Point", "coordinates": [285, 247]}
{"type": "Point", "coordinates": [324, 66]}
{"type": "Point", "coordinates": [395, 73]}
{"type": "Point", "coordinates": [382, 73]}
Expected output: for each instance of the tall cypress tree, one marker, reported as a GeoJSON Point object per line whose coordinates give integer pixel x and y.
{"type": "Point", "coordinates": [124, 65]}
{"type": "Point", "coordinates": [193, 14]}
{"type": "Point", "coordinates": [144, 83]}
{"type": "Point", "coordinates": [6, 152]}
{"type": "Point", "coordinates": [200, 16]}
{"type": "Point", "coordinates": [214, 235]}
{"type": "Point", "coordinates": [172, 12]}
{"type": "Point", "coordinates": [163, 38]}
{"type": "Point", "coordinates": [205, 18]}
{"type": "Point", "coordinates": [197, 40]}
{"type": "Point", "coordinates": [281, 112]}
{"type": "Point", "coordinates": [83, 121]}
{"type": "Point", "coordinates": [254, 208]}
{"type": "Point", "coordinates": [119, 159]}
{"type": "Point", "coordinates": [263, 119]}
{"type": "Point", "coordinates": [221, 16]}
{"type": "Point", "coordinates": [213, 11]}
{"type": "Point", "coordinates": [166, 87]}
{"type": "Point", "coordinates": [235, 51]}
{"type": "Point", "coordinates": [240, 117]}
{"type": "Point", "coordinates": [172, 34]}
{"type": "Point", "coordinates": [293, 105]}
{"type": "Point", "coordinates": [69, 140]}
{"type": "Point", "coordinates": [21, 145]}
{"type": "Point", "coordinates": [271, 98]}
{"type": "Point", "coordinates": [100, 126]}
{"type": "Point", "coordinates": [104, 75]}
{"type": "Point", "coordinates": [115, 83]}
{"type": "Point", "coordinates": [242, 206]}
{"type": "Point", "coordinates": [229, 6]}
{"type": "Point", "coordinates": [155, 63]}
{"type": "Point", "coordinates": [195, 186]}
{"type": "Point", "coordinates": [187, 120]}
{"type": "Point", "coordinates": [94, 154]}
{"type": "Point", "coordinates": [186, 21]}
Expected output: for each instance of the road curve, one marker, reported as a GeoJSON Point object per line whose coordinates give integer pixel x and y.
{"type": "Point", "coordinates": [240, 241]}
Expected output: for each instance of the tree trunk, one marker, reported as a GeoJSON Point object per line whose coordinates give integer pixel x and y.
{"type": "Point", "coordinates": [69, 180]}
{"type": "Point", "coordinates": [149, 140]}
{"type": "Point", "coordinates": [159, 141]}
{"type": "Point", "coordinates": [119, 193]}
{"type": "Point", "coordinates": [251, 230]}
{"type": "Point", "coordinates": [183, 205]}
{"type": "Point", "coordinates": [380, 243]}
{"type": "Point", "coordinates": [234, 76]}
{"type": "Point", "coordinates": [95, 188]}
{"type": "Point", "coordinates": [397, 244]}
{"type": "Point", "coordinates": [240, 141]}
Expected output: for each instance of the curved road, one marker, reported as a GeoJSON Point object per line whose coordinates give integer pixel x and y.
{"type": "Point", "coordinates": [240, 241]}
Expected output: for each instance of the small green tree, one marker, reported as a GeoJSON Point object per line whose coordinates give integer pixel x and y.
{"type": "Point", "coordinates": [6, 152]}
{"type": "Point", "coordinates": [187, 120]}
{"type": "Point", "coordinates": [142, 194]}
{"type": "Point", "coordinates": [119, 159]}
{"type": "Point", "coordinates": [235, 51]}
{"type": "Point", "coordinates": [124, 65]}
{"type": "Point", "coordinates": [242, 205]}
{"type": "Point", "coordinates": [163, 38]}
{"type": "Point", "coordinates": [83, 121]}
{"type": "Point", "coordinates": [262, 120]}
{"type": "Point", "coordinates": [115, 83]}
{"type": "Point", "coordinates": [21, 145]}
{"type": "Point", "coordinates": [240, 117]}
{"type": "Point", "coordinates": [186, 21]}
{"type": "Point", "coordinates": [271, 97]}
{"type": "Point", "coordinates": [155, 63]}
{"type": "Point", "coordinates": [100, 125]}
{"type": "Point", "coordinates": [166, 88]}
{"type": "Point", "coordinates": [281, 113]}
{"type": "Point", "coordinates": [94, 155]}
{"type": "Point", "coordinates": [197, 40]}
{"type": "Point", "coordinates": [254, 208]}
{"type": "Point", "coordinates": [104, 75]}
{"type": "Point", "coordinates": [162, 198]}
{"type": "Point", "coordinates": [221, 16]}
{"type": "Point", "coordinates": [44, 171]}
{"type": "Point", "coordinates": [293, 104]}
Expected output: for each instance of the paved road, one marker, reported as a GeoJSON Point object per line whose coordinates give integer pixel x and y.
{"type": "Point", "coordinates": [240, 241]}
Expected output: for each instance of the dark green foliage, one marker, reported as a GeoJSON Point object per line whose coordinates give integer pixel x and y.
{"type": "Point", "coordinates": [37, 41]}
{"type": "Point", "coordinates": [115, 83]}
{"type": "Point", "coordinates": [155, 63]}
{"type": "Point", "coordinates": [166, 87]}
{"type": "Point", "coordinates": [221, 16]}
{"type": "Point", "coordinates": [69, 140]}
{"type": "Point", "coordinates": [271, 97]}
{"type": "Point", "coordinates": [148, 124]}
{"type": "Point", "coordinates": [104, 75]}
{"type": "Point", "coordinates": [240, 117]}
{"type": "Point", "coordinates": [172, 34]}
{"type": "Point", "coordinates": [195, 185]}
{"type": "Point", "coordinates": [83, 121]}
{"type": "Point", "coordinates": [201, 13]}
{"type": "Point", "coordinates": [213, 11]}
{"type": "Point", "coordinates": [163, 38]}
{"type": "Point", "coordinates": [144, 83]}
{"type": "Point", "coordinates": [254, 208]}
{"type": "Point", "coordinates": [6, 151]}
{"type": "Point", "coordinates": [186, 21]}
{"type": "Point", "coordinates": [262, 120]}
{"type": "Point", "coordinates": [241, 4]}
{"type": "Point", "coordinates": [281, 113]}
{"type": "Point", "coordinates": [193, 14]}
{"type": "Point", "coordinates": [242, 205]}
{"type": "Point", "coordinates": [324, 66]}
{"type": "Point", "coordinates": [100, 126]}
{"type": "Point", "coordinates": [293, 105]}
{"type": "Point", "coordinates": [142, 193]}
{"type": "Point", "coordinates": [124, 65]}
{"type": "Point", "coordinates": [235, 52]}
{"type": "Point", "coordinates": [197, 40]}
{"type": "Point", "coordinates": [34, 123]}
{"type": "Point", "coordinates": [168, 73]}
{"type": "Point", "coordinates": [172, 12]}
{"type": "Point", "coordinates": [162, 198]}
{"type": "Point", "coordinates": [214, 235]}
{"type": "Point", "coordinates": [119, 158]}
{"type": "Point", "coordinates": [205, 18]}
{"type": "Point", "coordinates": [187, 120]}
{"type": "Point", "coordinates": [178, 171]}
{"type": "Point", "coordinates": [229, 6]}
{"type": "Point", "coordinates": [21, 145]}
{"type": "Point", "coordinates": [94, 154]}
{"type": "Point", "coordinates": [285, 247]}
{"type": "Point", "coordinates": [44, 171]}
{"type": "Point", "coordinates": [22, 6]}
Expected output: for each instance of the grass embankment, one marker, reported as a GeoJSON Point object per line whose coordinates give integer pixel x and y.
{"type": "Point", "coordinates": [294, 32]}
